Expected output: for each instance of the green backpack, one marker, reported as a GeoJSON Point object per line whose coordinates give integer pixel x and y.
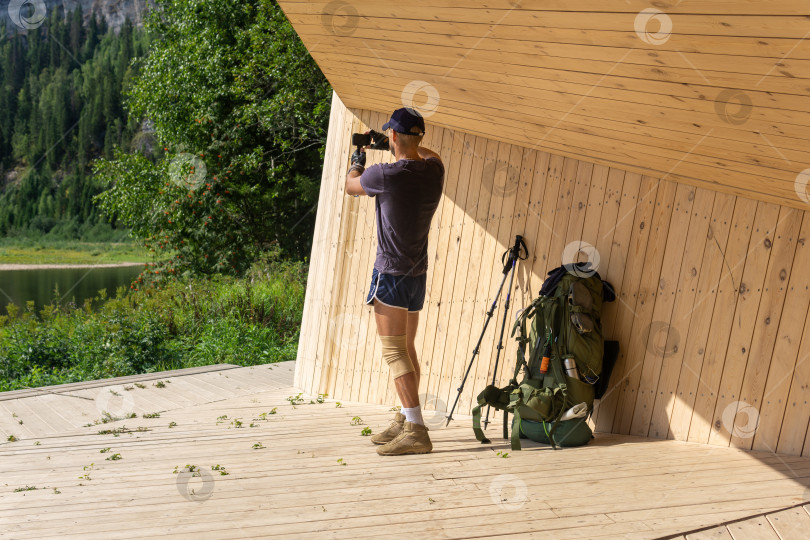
{"type": "Point", "coordinates": [565, 328]}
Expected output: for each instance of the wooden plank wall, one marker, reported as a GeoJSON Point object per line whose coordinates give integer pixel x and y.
{"type": "Point", "coordinates": [712, 93]}
{"type": "Point", "coordinates": [713, 289]}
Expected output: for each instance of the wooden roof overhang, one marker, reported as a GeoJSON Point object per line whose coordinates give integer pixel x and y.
{"type": "Point", "coordinates": [713, 94]}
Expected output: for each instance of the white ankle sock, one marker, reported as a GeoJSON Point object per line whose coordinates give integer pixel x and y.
{"type": "Point", "coordinates": [413, 415]}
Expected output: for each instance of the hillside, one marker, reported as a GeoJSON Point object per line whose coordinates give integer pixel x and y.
{"type": "Point", "coordinates": [61, 94]}
{"type": "Point", "coordinates": [112, 13]}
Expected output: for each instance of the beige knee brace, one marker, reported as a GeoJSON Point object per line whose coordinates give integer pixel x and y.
{"type": "Point", "coordinates": [395, 353]}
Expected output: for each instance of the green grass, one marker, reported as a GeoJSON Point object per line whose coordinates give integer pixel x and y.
{"type": "Point", "coordinates": [15, 251]}
{"type": "Point", "coordinates": [252, 320]}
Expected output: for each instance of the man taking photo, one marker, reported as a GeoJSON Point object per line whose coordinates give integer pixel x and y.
{"type": "Point", "coordinates": [407, 193]}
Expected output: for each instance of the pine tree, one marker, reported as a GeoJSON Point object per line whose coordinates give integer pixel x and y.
{"type": "Point", "coordinates": [60, 108]}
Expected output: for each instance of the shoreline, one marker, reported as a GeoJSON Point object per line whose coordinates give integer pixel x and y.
{"type": "Point", "coordinates": [49, 266]}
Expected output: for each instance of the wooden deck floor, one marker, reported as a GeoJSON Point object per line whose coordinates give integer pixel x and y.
{"type": "Point", "coordinates": [305, 470]}
{"type": "Point", "coordinates": [783, 524]}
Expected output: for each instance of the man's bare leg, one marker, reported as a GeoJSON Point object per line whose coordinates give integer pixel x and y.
{"type": "Point", "coordinates": [413, 324]}
{"type": "Point", "coordinates": [393, 321]}
{"type": "Point", "coordinates": [413, 439]}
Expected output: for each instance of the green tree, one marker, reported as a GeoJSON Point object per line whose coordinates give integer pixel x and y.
{"type": "Point", "coordinates": [241, 110]}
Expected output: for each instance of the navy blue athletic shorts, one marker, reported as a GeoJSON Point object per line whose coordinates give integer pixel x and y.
{"type": "Point", "coordinates": [405, 292]}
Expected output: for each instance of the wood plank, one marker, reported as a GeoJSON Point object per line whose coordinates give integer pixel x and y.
{"type": "Point", "coordinates": [325, 329]}
{"type": "Point", "coordinates": [729, 7]}
{"type": "Point", "coordinates": [769, 316]}
{"type": "Point", "coordinates": [596, 149]}
{"type": "Point", "coordinates": [706, 142]}
{"type": "Point", "coordinates": [520, 44]}
{"type": "Point", "coordinates": [439, 291]}
{"type": "Point", "coordinates": [494, 173]}
{"type": "Point", "coordinates": [447, 253]}
{"type": "Point", "coordinates": [314, 293]}
{"type": "Point", "coordinates": [540, 225]}
{"type": "Point", "coordinates": [696, 158]}
{"type": "Point", "coordinates": [791, 524]}
{"type": "Point", "coordinates": [697, 334]}
{"type": "Point", "coordinates": [597, 199]}
{"type": "Point", "coordinates": [622, 235]}
{"type": "Point", "coordinates": [308, 347]}
{"type": "Point", "coordinates": [734, 25]}
{"type": "Point", "coordinates": [478, 297]}
{"type": "Point", "coordinates": [455, 275]}
{"type": "Point", "coordinates": [366, 326]}
{"type": "Point", "coordinates": [348, 223]}
{"type": "Point", "coordinates": [663, 300]}
{"type": "Point", "coordinates": [739, 347]}
{"type": "Point", "coordinates": [677, 333]}
{"type": "Point", "coordinates": [644, 304]}
{"type": "Point", "coordinates": [128, 379]}
{"type": "Point", "coordinates": [521, 59]}
{"type": "Point", "coordinates": [347, 321]}
{"type": "Point", "coordinates": [510, 224]}
{"type": "Point", "coordinates": [500, 178]}
{"type": "Point", "coordinates": [752, 529]}
{"type": "Point", "coordinates": [715, 533]}
{"type": "Point", "coordinates": [794, 425]}
{"type": "Point", "coordinates": [722, 319]}
{"type": "Point", "coordinates": [785, 355]}
{"type": "Point", "coordinates": [435, 144]}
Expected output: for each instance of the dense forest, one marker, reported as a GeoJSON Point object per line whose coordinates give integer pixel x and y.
{"type": "Point", "coordinates": [62, 89]}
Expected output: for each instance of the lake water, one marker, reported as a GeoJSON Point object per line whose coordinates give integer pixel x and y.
{"type": "Point", "coordinates": [75, 284]}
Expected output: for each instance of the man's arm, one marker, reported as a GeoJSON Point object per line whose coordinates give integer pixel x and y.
{"type": "Point", "coordinates": [353, 186]}
{"type": "Point", "coordinates": [424, 153]}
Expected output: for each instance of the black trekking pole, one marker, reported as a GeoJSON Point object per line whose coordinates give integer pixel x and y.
{"type": "Point", "coordinates": [509, 267]}
{"type": "Point", "coordinates": [490, 313]}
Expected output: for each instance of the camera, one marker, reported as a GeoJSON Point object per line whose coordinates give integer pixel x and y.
{"type": "Point", "coordinates": [374, 139]}
{"type": "Point", "coordinates": [361, 139]}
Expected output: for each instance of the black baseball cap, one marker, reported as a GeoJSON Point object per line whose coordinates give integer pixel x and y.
{"type": "Point", "coordinates": [404, 120]}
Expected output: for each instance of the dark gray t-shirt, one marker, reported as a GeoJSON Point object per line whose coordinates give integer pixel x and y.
{"type": "Point", "coordinates": [407, 194]}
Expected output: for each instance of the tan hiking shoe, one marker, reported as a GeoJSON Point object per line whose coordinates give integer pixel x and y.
{"type": "Point", "coordinates": [413, 440]}
{"type": "Point", "coordinates": [391, 433]}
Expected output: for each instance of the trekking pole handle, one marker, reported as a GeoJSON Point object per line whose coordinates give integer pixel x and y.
{"type": "Point", "coordinates": [518, 252]}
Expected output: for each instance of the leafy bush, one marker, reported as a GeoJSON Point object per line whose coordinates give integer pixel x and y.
{"type": "Point", "coordinates": [189, 322]}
